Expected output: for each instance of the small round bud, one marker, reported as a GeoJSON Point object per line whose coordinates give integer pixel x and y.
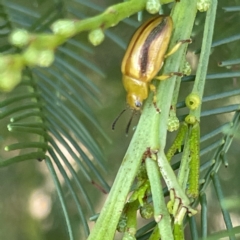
{"type": "Point", "coordinates": [190, 119]}
{"type": "Point", "coordinates": [10, 72]}
{"type": "Point", "coordinates": [173, 123]}
{"type": "Point", "coordinates": [19, 38]}
{"type": "Point", "coordinates": [46, 58]}
{"type": "Point", "coordinates": [186, 69]}
{"type": "Point", "coordinates": [128, 236]}
{"type": "Point", "coordinates": [10, 79]}
{"type": "Point", "coordinates": [42, 58]}
{"type": "Point", "coordinates": [146, 211]}
{"type": "Point", "coordinates": [122, 224]}
{"type": "Point", "coordinates": [193, 101]}
{"type": "Point", "coordinates": [153, 6]}
{"type": "Point", "coordinates": [96, 36]}
{"type": "Point", "coordinates": [31, 56]}
{"type": "Point", "coordinates": [65, 28]}
{"type": "Point", "coordinates": [203, 5]}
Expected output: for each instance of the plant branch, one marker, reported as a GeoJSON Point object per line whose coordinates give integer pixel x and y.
{"type": "Point", "coordinates": [200, 79]}
{"type": "Point", "coordinates": [183, 18]}
{"type": "Point", "coordinates": [39, 48]}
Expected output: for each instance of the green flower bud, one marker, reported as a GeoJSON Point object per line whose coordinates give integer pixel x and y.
{"type": "Point", "coordinates": [187, 68]}
{"type": "Point", "coordinates": [193, 101]}
{"type": "Point", "coordinates": [173, 123]}
{"type": "Point", "coordinates": [203, 5]}
{"type": "Point", "coordinates": [46, 58]}
{"type": "Point", "coordinates": [146, 211]}
{"type": "Point", "coordinates": [122, 224]}
{"type": "Point", "coordinates": [190, 119]}
{"type": "Point", "coordinates": [153, 6]}
{"type": "Point", "coordinates": [19, 38]}
{"type": "Point", "coordinates": [42, 58]}
{"type": "Point", "coordinates": [10, 72]}
{"type": "Point", "coordinates": [96, 36]}
{"type": "Point", "coordinates": [9, 80]}
{"type": "Point", "coordinates": [65, 28]}
{"type": "Point", "coordinates": [128, 236]}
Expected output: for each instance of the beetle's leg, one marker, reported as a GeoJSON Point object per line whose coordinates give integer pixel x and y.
{"type": "Point", "coordinates": [173, 50]}
{"type": "Point", "coordinates": [153, 89]}
{"type": "Point", "coordinates": [176, 47]}
{"type": "Point", "coordinates": [166, 76]}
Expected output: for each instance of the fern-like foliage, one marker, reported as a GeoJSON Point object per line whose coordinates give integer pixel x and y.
{"type": "Point", "coordinates": [48, 110]}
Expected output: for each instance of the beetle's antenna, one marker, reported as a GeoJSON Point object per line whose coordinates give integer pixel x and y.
{"type": "Point", "coordinates": [115, 121]}
{"type": "Point", "coordinates": [129, 122]}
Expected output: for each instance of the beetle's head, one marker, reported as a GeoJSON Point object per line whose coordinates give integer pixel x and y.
{"type": "Point", "coordinates": [135, 102]}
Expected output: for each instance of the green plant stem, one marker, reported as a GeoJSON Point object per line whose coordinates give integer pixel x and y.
{"type": "Point", "coordinates": [200, 79]}
{"type": "Point", "coordinates": [161, 214]}
{"type": "Point", "coordinates": [183, 18]}
{"type": "Point", "coordinates": [171, 179]}
{"type": "Point", "coordinates": [183, 21]}
{"type": "Point", "coordinates": [193, 228]}
{"type": "Point", "coordinates": [108, 219]}
{"type": "Point", "coordinates": [113, 15]}
{"type": "Point", "coordinates": [204, 220]}
{"type": "Point", "coordinates": [177, 88]}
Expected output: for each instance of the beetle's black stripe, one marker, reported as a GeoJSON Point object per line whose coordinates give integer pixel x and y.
{"type": "Point", "coordinates": [145, 48]}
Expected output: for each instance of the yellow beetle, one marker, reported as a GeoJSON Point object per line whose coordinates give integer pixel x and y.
{"type": "Point", "coordinates": [144, 58]}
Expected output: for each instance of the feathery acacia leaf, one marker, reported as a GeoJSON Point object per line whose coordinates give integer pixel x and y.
{"type": "Point", "coordinates": [48, 107]}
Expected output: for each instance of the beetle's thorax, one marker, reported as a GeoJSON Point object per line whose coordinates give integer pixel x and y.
{"type": "Point", "coordinates": [137, 91]}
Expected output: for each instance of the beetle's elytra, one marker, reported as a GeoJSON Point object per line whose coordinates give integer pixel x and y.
{"type": "Point", "coordinates": [144, 58]}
